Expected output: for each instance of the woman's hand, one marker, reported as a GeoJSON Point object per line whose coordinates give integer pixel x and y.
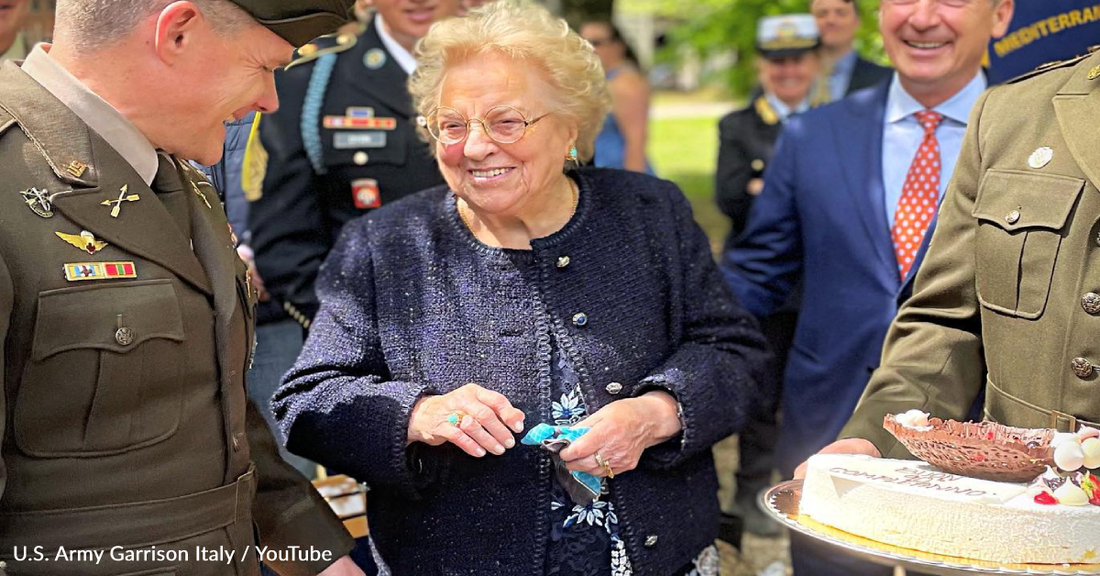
{"type": "Point", "coordinates": [486, 421]}
{"type": "Point", "coordinates": [621, 431]}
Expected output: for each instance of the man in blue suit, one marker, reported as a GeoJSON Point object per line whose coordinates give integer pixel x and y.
{"type": "Point", "coordinates": [849, 201]}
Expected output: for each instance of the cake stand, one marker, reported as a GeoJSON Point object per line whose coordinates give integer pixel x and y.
{"type": "Point", "coordinates": [781, 502]}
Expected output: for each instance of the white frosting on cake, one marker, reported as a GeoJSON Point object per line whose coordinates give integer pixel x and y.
{"type": "Point", "coordinates": [913, 505]}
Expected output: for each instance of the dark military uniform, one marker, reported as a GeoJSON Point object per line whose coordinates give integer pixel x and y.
{"type": "Point", "coordinates": [343, 142]}
{"type": "Point", "coordinates": [746, 141]}
{"type": "Point", "coordinates": [125, 417]}
{"type": "Point", "coordinates": [1006, 300]}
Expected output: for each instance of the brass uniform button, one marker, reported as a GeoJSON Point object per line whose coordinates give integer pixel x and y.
{"type": "Point", "coordinates": [563, 261]}
{"type": "Point", "coordinates": [758, 165]}
{"type": "Point", "coordinates": [580, 319]}
{"type": "Point", "coordinates": [1081, 367]}
{"type": "Point", "coordinates": [124, 336]}
{"type": "Point", "coordinates": [1013, 217]}
{"type": "Point", "coordinates": [614, 388]}
{"type": "Point", "coordinates": [1091, 303]}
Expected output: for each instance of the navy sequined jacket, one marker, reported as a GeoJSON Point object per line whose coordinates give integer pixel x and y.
{"type": "Point", "coordinates": [412, 304]}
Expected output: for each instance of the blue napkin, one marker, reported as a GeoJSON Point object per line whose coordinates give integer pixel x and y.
{"type": "Point", "coordinates": [583, 488]}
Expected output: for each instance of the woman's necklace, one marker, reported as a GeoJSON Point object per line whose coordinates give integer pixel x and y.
{"type": "Point", "coordinates": [572, 187]}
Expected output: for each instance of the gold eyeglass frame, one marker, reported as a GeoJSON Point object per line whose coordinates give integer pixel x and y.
{"type": "Point", "coordinates": [527, 124]}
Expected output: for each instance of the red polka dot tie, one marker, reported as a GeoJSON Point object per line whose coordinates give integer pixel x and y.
{"type": "Point", "coordinates": [919, 196]}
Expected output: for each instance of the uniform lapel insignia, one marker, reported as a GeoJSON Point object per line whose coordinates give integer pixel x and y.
{"type": "Point", "coordinates": [86, 241]}
{"type": "Point", "coordinates": [196, 178]}
{"type": "Point", "coordinates": [123, 196]}
{"type": "Point", "coordinates": [79, 271]}
{"type": "Point", "coordinates": [765, 111]}
{"type": "Point", "coordinates": [38, 201]}
{"type": "Point", "coordinates": [76, 168]}
{"type": "Point", "coordinates": [1094, 73]}
{"type": "Point", "coordinates": [374, 59]}
{"type": "Point", "coordinates": [195, 187]}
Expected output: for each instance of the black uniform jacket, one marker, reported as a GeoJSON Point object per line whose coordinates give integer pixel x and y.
{"type": "Point", "coordinates": [746, 141]}
{"type": "Point", "coordinates": [342, 143]}
{"type": "Point", "coordinates": [124, 418]}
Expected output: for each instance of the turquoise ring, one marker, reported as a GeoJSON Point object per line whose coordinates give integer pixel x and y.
{"type": "Point", "coordinates": [455, 418]}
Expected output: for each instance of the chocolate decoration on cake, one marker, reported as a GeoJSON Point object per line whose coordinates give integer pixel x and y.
{"type": "Point", "coordinates": [985, 450]}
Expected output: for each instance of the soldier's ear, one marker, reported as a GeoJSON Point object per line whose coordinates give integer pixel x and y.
{"type": "Point", "coordinates": [177, 29]}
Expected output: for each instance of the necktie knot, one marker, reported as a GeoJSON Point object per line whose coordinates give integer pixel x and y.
{"type": "Point", "coordinates": [930, 120]}
{"type": "Point", "coordinates": [167, 179]}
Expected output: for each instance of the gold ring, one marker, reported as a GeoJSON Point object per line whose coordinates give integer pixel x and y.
{"type": "Point", "coordinates": [605, 464]}
{"type": "Point", "coordinates": [455, 418]}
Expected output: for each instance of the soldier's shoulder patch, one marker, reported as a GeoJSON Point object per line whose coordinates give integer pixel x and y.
{"type": "Point", "coordinates": [1044, 68]}
{"type": "Point", "coordinates": [330, 44]}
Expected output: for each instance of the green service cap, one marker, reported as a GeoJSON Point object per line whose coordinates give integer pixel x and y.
{"type": "Point", "coordinates": [299, 21]}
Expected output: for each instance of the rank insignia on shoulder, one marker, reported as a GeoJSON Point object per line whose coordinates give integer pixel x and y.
{"type": "Point", "coordinates": [38, 201]}
{"type": "Point", "coordinates": [86, 241]}
{"type": "Point", "coordinates": [78, 271]}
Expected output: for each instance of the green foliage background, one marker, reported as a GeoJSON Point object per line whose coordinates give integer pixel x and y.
{"type": "Point", "coordinates": [717, 26]}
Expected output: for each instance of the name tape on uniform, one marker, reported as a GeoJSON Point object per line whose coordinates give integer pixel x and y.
{"type": "Point", "coordinates": [351, 140]}
{"type": "Point", "coordinates": [78, 271]}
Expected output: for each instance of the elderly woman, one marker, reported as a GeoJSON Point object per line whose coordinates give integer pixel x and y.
{"type": "Point", "coordinates": [518, 296]}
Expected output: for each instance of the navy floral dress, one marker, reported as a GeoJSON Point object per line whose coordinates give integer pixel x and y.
{"type": "Point", "coordinates": [584, 540]}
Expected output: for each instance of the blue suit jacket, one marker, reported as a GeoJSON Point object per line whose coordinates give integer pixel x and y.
{"type": "Point", "coordinates": [822, 215]}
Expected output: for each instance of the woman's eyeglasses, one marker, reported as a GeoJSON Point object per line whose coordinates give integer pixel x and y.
{"type": "Point", "coordinates": [503, 124]}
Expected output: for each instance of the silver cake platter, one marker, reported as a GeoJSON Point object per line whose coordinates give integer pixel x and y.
{"type": "Point", "coordinates": [781, 503]}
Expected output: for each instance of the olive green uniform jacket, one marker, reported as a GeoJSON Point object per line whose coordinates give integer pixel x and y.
{"type": "Point", "coordinates": [124, 417]}
{"type": "Point", "coordinates": [1006, 298]}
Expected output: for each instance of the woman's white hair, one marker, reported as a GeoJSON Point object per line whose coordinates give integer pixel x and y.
{"type": "Point", "coordinates": [93, 24]}
{"type": "Point", "coordinates": [527, 32]}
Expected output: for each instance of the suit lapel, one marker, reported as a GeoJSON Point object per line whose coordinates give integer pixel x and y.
{"type": "Point", "coordinates": [386, 83]}
{"type": "Point", "coordinates": [863, 168]}
{"type": "Point", "coordinates": [1077, 106]}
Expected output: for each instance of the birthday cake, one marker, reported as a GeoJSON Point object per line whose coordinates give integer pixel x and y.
{"type": "Point", "coordinates": [1054, 519]}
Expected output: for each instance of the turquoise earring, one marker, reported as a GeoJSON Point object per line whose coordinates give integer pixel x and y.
{"type": "Point", "coordinates": [572, 154]}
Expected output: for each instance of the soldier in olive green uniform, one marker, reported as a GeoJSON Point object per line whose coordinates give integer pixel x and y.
{"type": "Point", "coordinates": [126, 316]}
{"type": "Point", "coordinates": [1007, 297]}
